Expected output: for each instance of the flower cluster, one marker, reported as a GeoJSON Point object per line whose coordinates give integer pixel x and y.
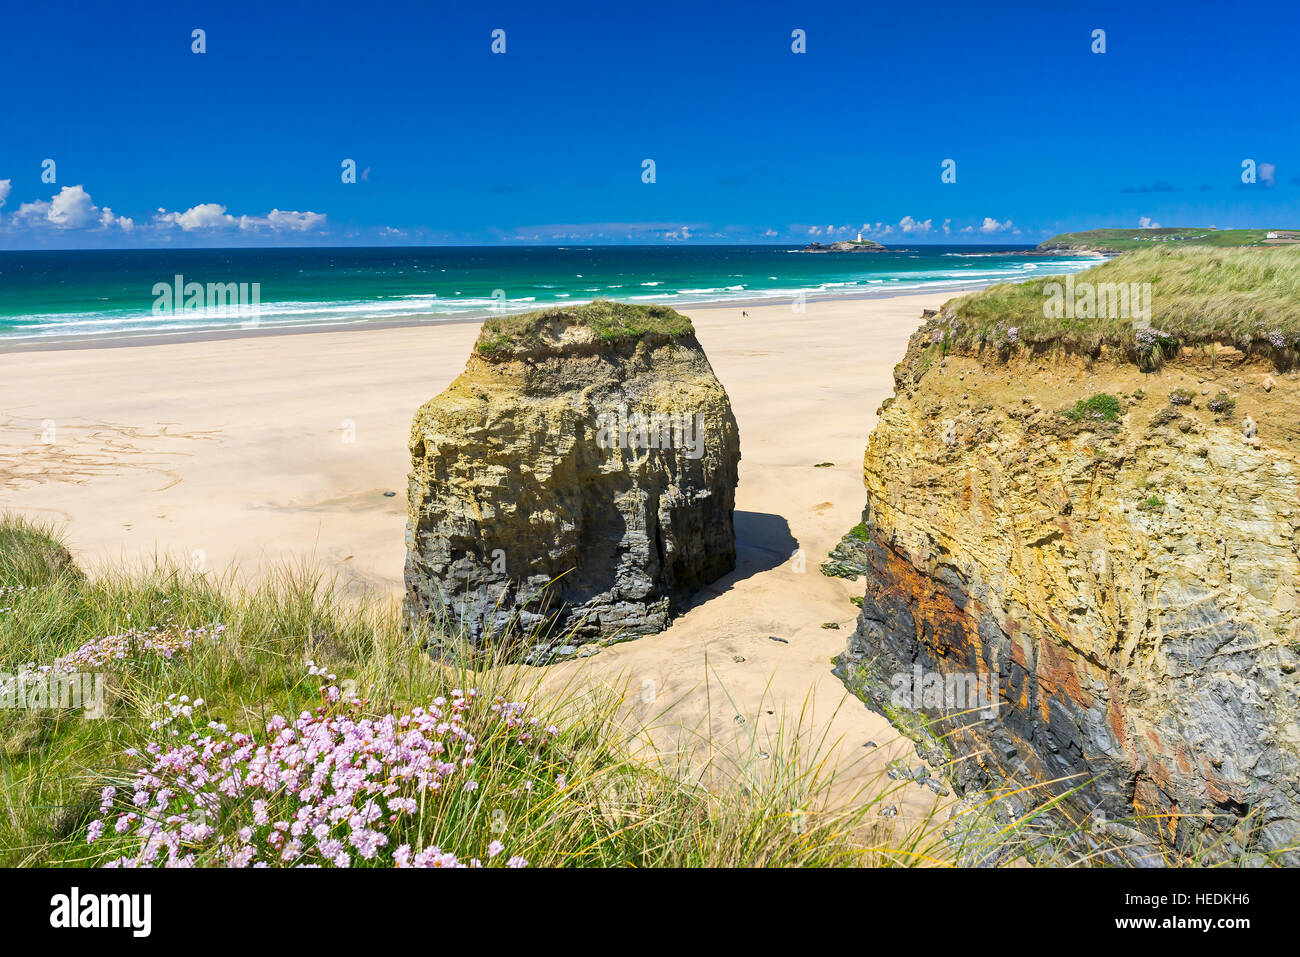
{"type": "Point", "coordinates": [333, 788]}
{"type": "Point", "coordinates": [177, 706]}
{"type": "Point", "coordinates": [1150, 337]}
{"type": "Point", "coordinates": [162, 642]}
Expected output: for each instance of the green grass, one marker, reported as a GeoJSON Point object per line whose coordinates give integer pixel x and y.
{"type": "Point", "coordinates": [609, 320]}
{"type": "Point", "coordinates": [1241, 297]}
{"type": "Point", "coordinates": [30, 555]}
{"type": "Point", "coordinates": [1100, 406]}
{"type": "Point", "coordinates": [1128, 240]}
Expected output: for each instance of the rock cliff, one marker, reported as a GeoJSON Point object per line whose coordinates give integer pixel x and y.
{"type": "Point", "coordinates": [575, 484]}
{"type": "Point", "coordinates": [1110, 555]}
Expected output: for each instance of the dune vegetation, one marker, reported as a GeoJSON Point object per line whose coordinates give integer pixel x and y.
{"type": "Point", "coordinates": [287, 725]}
{"type": "Point", "coordinates": [290, 725]}
{"type": "Point", "coordinates": [1248, 298]}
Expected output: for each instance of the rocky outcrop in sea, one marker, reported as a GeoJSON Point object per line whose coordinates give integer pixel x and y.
{"type": "Point", "coordinates": [846, 246]}
{"type": "Point", "coordinates": [575, 485]}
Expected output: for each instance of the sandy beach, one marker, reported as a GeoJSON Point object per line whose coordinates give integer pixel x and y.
{"type": "Point", "coordinates": [252, 451]}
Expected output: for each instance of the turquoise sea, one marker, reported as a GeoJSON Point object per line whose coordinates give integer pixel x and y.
{"type": "Point", "coordinates": [117, 293]}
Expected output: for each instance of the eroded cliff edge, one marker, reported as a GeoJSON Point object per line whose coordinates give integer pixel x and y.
{"type": "Point", "coordinates": [1113, 552]}
{"type": "Point", "coordinates": [574, 485]}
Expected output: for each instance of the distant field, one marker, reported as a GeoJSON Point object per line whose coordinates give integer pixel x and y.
{"type": "Point", "coordinates": [1126, 240]}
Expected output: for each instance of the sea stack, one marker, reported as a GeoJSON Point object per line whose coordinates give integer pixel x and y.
{"type": "Point", "coordinates": [1081, 580]}
{"type": "Point", "coordinates": [574, 485]}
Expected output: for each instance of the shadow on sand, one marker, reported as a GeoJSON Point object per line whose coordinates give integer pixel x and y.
{"type": "Point", "coordinates": [763, 541]}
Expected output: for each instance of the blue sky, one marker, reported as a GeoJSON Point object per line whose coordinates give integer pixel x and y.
{"type": "Point", "coordinates": [155, 145]}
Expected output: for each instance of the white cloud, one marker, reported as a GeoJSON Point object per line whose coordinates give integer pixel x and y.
{"type": "Point", "coordinates": [107, 219]}
{"type": "Point", "coordinates": [214, 216]}
{"type": "Point", "coordinates": [947, 226]}
{"type": "Point", "coordinates": [766, 232]}
{"type": "Point", "coordinates": [70, 208]}
{"type": "Point", "coordinates": [1267, 173]}
{"type": "Point", "coordinates": [991, 225]}
{"type": "Point", "coordinates": [909, 225]}
{"type": "Point", "coordinates": [285, 219]}
{"type": "Point", "coordinates": [877, 229]}
{"type": "Point", "coordinates": [831, 230]}
{"type": "Point", "coordinates": [1146, 222]}
{"type": "Point", "coordinates": [202, 216]}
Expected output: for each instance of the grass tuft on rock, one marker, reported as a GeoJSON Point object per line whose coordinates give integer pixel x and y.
{"type": "Point", "coordinates": [610, 322]}
{"type": "Point", "coordinates": [1102, 406]}
{"type": "Point", "coordinates": [1246, 297]}
{"type": "Point", "coordinates": [1222, 404]}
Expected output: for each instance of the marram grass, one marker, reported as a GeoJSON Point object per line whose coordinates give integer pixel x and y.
{"type": "Point", "coordinates": [221, 704]}
{"type": "Point", "coordinates": [1248, 297]}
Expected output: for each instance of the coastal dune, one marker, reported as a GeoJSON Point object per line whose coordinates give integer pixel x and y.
{"type": "Point", "coordinates": [251, 452]}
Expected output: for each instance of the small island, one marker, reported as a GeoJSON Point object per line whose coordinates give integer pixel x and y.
{"type": "Point", "coordinates": [858, 245]}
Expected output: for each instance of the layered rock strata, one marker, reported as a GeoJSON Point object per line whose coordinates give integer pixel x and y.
{"type": "Point", "coordinates": [1119, 579]}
